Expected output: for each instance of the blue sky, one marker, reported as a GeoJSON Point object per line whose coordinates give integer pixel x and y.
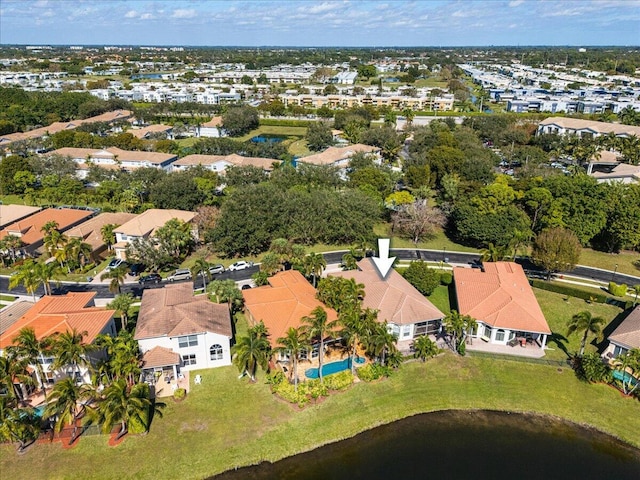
{"type": "Point", "coordinates": [321, 22]}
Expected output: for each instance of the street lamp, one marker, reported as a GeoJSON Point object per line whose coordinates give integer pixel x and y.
{"type": "Point", "coordinates": [615, 270]}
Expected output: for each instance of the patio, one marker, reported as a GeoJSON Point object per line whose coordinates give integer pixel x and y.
{"type": "Point", "coordinates": [526, 349]}
{"type": "Point", "coordinates": [166, 383]}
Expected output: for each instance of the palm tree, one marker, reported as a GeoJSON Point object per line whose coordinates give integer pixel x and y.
{"type": "Point", "coordinates": [317, 327]}
{"type": "Point", "coordinates": [45, 273]}
{"type": "Point", "coordinates": [52, 241]}
{"type": "Point", "coordinates": [12, 243]}
{"type": "Point", "coordinates": [79, 251]}
{"type": "Point", "coordinates": [585, 322]}
{"type": "Point", "coordinates": [12, 368]}
{"type": "Point", "coordinates": [30, 348]}
{"type": "Point", "coordinates": [63, 404]}
{"type": "Point", "coordinates": [122, 404]}
{"type": "Point", "coordinates": [458, 326]}
{"type": "Point", "coordinates": [382, 343]}
{"type": "Point", "coordinates": [250, 352]}
{"type": "Point", "coordinates": [493, 253]}
{"type": "Point", "coordinates": [357, 326]}
{"type": "Point", "coordinates": [117, 276]}
{"type": "Point", "coordinates": [293, 344]}
{"type": "Point", "coordinates": [70, 351]}
{"type": "Point", "coordinates": [108, 235]}
{"type": "Point", "coordinates": [424, 348]}
{"type": "Point", "coordinates": [18, 424]}
{"type": "Point", "coordinates": [201, 267]}
{"type": "Point", "coordinates": [26, 275]}
{"type": "Point", "coordinates": [122, 304]}
{"type": "Point", "coordinates": [314, 264]}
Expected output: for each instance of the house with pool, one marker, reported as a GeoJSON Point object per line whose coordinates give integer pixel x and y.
{"type": "Point", "coordinates": [500, 299]}
{"type": "Point", "coordinates": [281, 305]}
{"type": "Point", "coordinates": [52, 315]}
{"type": "Point", "coordinates": [408, 313]}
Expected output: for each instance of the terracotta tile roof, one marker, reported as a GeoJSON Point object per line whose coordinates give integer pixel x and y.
{"type": "Point", "coordinates": [61, 313]}
{"type": "Point", "coordinates": [173, 311]}
{"type": "Point", "coordinates": [234, 159]}
{"type": "Point", "coordinates": [598, 127]}
{"type": "Point", "coordinates": [13, 213]}
{"type": "Point", "coordinates": [29, 228]}
{"type": "Point", "coordinates": [334, 154]}
{"type": "Point", "coordinates": [196, 159]}
{"type": "Point", "coordinates": [499, 296]}
{"type": "Point", "coordinates": [396, 300]}
{"type": "Point", "coordinates": [111, 153]}
{"type": "Point", "coordinates": [89, 231]}
{"type": "Point", "coordinates": [263, 163]}
{"type": "Point", "coordinates": [150, 220]}
{"type": "Point", "coordinates": [150, 129]}
{"type": "Point", "coordinates": [60, 126]}
{"type": "Point", "coordinates": [12, 313]}
{"type": "Point", "coordinates": [214, 122]}
{"type": "Point", "coordinates": [160, 357]}
{"type": "Point", "coordinates": [628, 332]}
{"type": "Point", "coordinates": [619, 171]}
{"type": "Point", "coordinates": [283, 303]}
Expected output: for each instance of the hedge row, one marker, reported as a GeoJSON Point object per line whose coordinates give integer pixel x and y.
{"type": "Point", "coordinates": [568, 290]}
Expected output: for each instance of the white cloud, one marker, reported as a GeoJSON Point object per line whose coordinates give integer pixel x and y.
{"type": "Point", "coordinates": [185, 13]}
{"type": "Point", "coordinates": [147, 16]}
{"type": "Point", "coordinates": [131, 14]}
{"type": "Point", "coordinates": [323, 7]}
{"type": "Point", "coordinates": [515, 3]}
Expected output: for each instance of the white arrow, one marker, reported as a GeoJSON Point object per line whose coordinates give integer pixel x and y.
{"type": "Point", "coordinates": [383, 262]}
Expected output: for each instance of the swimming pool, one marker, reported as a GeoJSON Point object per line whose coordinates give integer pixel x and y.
{"type": "Point", "coordinates": [626, 377]}
{"type": "Point", "coordinates": [39, 410]}
{"type": "Point", "coordinates": [333, 367]}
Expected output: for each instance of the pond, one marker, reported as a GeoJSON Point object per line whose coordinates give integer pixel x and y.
{"type": "Point", "coordinates": [267, 139]}
{"type": "Point", "coordinates": [462, 445]}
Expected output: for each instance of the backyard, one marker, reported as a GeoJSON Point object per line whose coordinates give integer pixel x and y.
{"type": "Point", "coordinates": [226, 422]}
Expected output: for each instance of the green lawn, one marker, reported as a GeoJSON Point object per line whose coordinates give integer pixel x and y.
{"type": "Point", "coordinates": [440, 298]}
{"type": "Point", "coordinates": [608, 261]}
{"type": "Point", "coordinates": [437, 242]}
{"type": "Point", "coordinates": [226, 422]}
{"type": "Point", "coordinates": [7, 298]}
{"type": "Point", "coordinates": [558, 312]}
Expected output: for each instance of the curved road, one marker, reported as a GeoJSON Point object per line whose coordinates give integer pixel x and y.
{"type": "Point", "coordinates": [588, 273]}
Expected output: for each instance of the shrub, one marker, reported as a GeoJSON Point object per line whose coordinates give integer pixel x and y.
{"type": "Point", "coordinates": [339, 381]}
{"type": "Point", "coordinates": [423, 278]}
{"type": "Point", "coordinates": [135, 425]}
{"type": "Point", "coordinates": [446, 278]}
{"type": "Point", "coordinates": [569, 291]}
{"type": "Point", "coordinates": [592, 369]}
{"type": "Point", "coordinates": [286, 391]}
{"type": "Point", "coordinates": [462, 349]}
{"type": "Point", "coordinates": [373, 371]}
{"type": "Point", "coordinates": [179, 394]}
{"type": "Point", "coordinates": [617, 290]}
{"type": "Point", "coordinates": [315, 389]}
{"type": "Point", "coordinates": [275, 378]}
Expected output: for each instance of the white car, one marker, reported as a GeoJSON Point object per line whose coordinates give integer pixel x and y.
{"type": "Point", "coordinates": [240, 265]}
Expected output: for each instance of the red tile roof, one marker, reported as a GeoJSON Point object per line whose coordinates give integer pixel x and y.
{"type": "Point", "coordinates": [628, 332]}
{"type": "Point", "coordinates": [28, 229]}
{"type": "Point", "coordinates": [160, 357]}
{"type": "Point", "coordinates": [499, 296]}
{"type": "Point", "coordinates": [396, 300]}
{"type": "Point", "coordinates": [283, 303]}
{"type": "Point", "coordinates": [61, 313]}
{"type": "Point", "coordinates": [173, 311]}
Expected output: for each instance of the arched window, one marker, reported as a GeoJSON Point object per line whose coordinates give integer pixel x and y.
{"type": "Point", "coordinates": [215, 352]}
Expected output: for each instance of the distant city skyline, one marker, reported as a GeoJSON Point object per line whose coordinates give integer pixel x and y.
{"type": "Point", "coordinates": [321, 23]}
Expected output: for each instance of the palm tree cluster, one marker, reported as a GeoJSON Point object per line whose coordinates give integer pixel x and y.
{"type": "Point", "coordinates": [70, 253]}
{"type": "Point", "coordinates": [113, 397]}
{"type": "Point", "coordinates": [458, 327]}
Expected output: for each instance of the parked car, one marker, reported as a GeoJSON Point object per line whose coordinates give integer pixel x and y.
{"type": "Point", "coordinates": [216, 269]}
{"type": "Point", "coordinates": [114, 263]}
{"type": "Point", "coordinates": [136, 269]}
{"type": "Point", "coordinates": [180, 274]}
{"type": "Point", "coordinates": [151, 278]}
{"type": "Point", "coordinates": [240, 265]}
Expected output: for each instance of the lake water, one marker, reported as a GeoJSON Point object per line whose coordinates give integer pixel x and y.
{"type": "Point", "coordinates": [461, 445]}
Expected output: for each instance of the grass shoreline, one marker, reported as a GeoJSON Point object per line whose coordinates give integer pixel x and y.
{"type": "Point", "coordinates": [226, 423]}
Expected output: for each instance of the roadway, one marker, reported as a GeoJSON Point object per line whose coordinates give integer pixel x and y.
{"type": "Point", "coordinates": [102, 290]}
